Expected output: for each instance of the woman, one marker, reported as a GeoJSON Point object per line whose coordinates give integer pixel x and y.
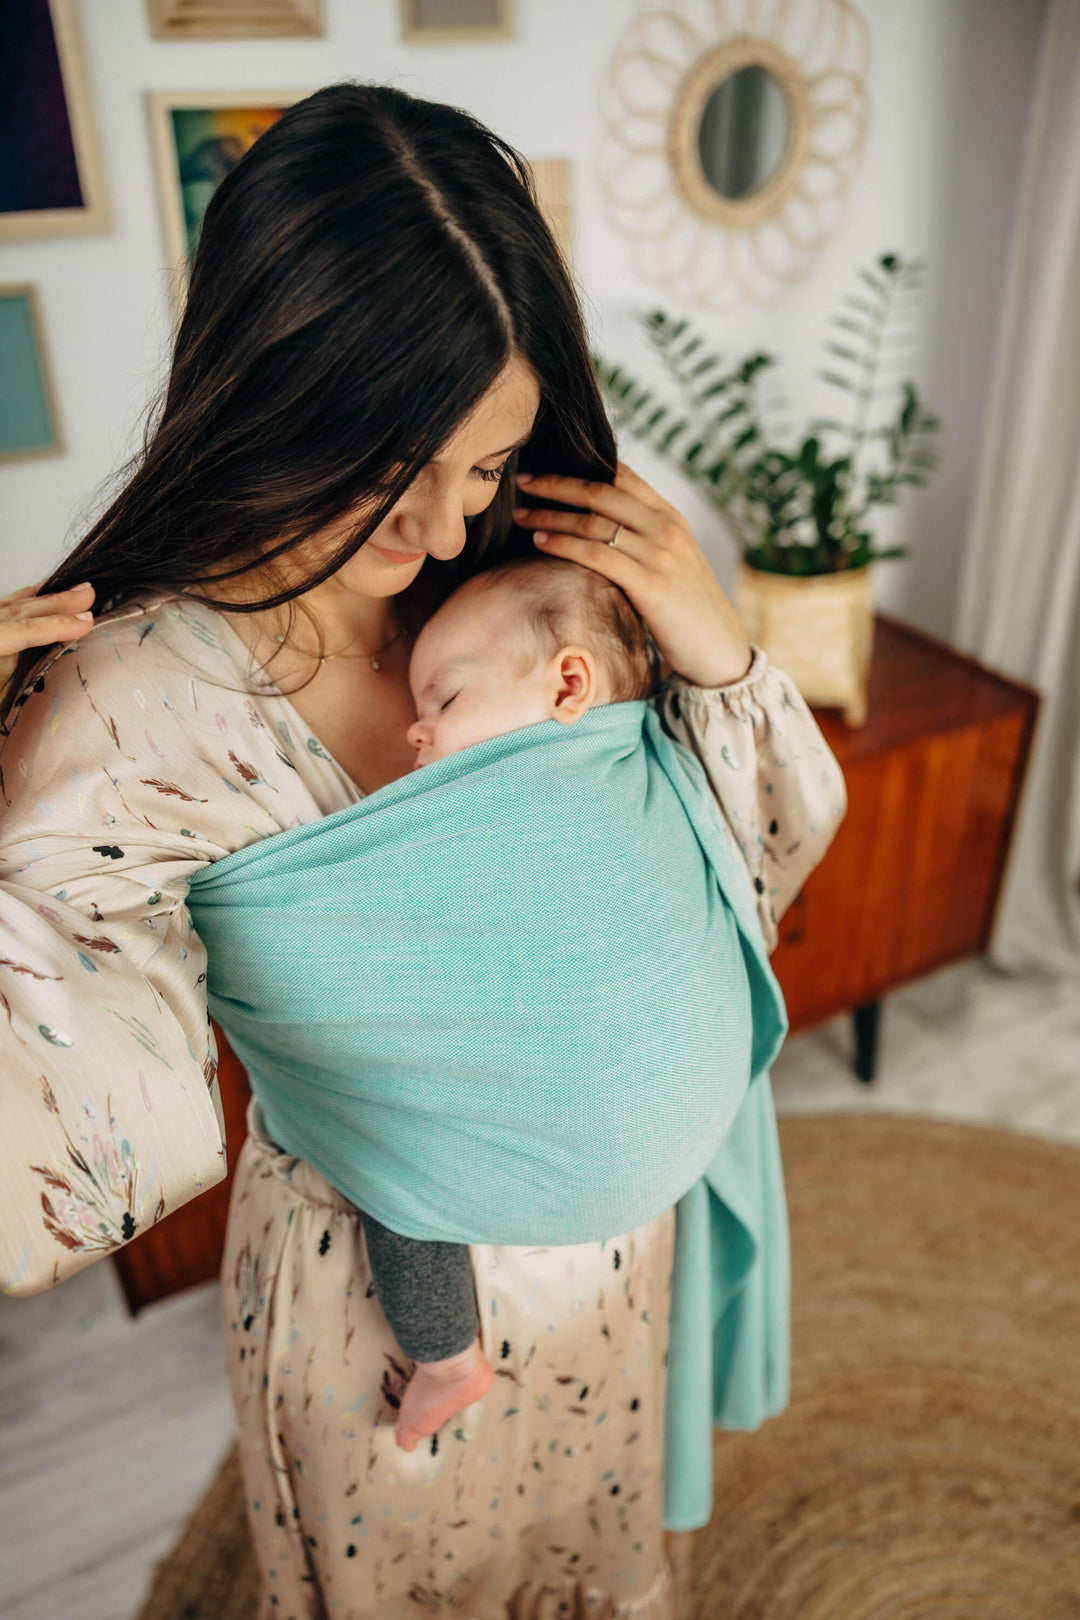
{"type": "Point", "coordinates": [378, 321]}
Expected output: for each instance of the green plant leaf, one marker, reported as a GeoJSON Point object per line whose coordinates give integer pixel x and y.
{"type": "Point", "coordinates": [848, 325]}
{"type": "Point", "coordinates": [673, 432]}
{"type": "Point", "coordinates": [753, 364]}
{"type": "Point", "coordinates": [910, 407]}
{"type": "Point", "coordinates": [837, 381]}
{"type": "Point", "coordinates": [731, 410]}
{"type": "Point", "coordinates": [861, 304]}
{"type": "Point", "coordinates": [823, 425]}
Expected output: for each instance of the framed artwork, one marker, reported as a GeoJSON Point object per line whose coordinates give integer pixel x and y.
{"type": "Point", "coordinates": [29, 420]}
{"type": "Point", "coordinates": [235, 19]}
{"type": "Point", "coordinates": [451, 22]}
{"type": "Point", "coordinates": [553, 181]}
{"type": "Point", "coordinates": [52, 182]}
{"type": "Point", "coordinates": [197, 137]}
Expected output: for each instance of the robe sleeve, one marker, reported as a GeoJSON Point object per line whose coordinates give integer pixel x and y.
{"type": "Point", "coordinates": [112, 1114]}
{"type": "Point", "coordinates": [779, 787]}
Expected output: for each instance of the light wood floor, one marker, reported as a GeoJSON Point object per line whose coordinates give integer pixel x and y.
{"type": "Point", "coordinates": [110, 1428]}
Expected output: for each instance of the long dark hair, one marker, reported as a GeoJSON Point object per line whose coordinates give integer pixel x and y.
{"type": "Point", "coordinates": [362, 278]}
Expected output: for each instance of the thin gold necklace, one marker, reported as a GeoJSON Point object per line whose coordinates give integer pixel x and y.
{"type": "Point", "coordinates": [371, 656]}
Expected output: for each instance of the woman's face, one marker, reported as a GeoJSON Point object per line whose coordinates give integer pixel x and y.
{"type": "Point", "coordinates": [429, 519]}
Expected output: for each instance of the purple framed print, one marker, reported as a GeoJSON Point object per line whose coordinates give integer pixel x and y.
{"type": "Point", "coordinates": [51, 178]}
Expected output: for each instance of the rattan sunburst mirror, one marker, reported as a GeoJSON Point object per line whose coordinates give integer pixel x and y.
{"type": "Point", "coordinates": [732, 132]}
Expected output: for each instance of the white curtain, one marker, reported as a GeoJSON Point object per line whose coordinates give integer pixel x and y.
{"type": "Point", "coordinates": [1019, 600]}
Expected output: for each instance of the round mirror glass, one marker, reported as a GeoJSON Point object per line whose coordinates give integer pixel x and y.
{"type": "Point", "coordinates": [744, 132]}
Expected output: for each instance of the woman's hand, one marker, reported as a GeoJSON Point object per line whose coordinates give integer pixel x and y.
{"type": "Point", "coordinates": [656, 561]}
{"type": "Point", "coordinates": [27, 620]}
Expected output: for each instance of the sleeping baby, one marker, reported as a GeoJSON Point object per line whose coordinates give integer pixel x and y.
{"type": "Point", "coordinates": [532, 639]}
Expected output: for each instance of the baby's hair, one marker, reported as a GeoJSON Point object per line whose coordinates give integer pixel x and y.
{"type": "Point", "coordinates": [564, 602]}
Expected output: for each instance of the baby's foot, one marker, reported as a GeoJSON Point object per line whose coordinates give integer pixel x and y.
{"type": "Point", "coordinates": [439, 1390]}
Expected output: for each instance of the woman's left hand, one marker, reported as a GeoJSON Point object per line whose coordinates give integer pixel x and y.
{"type": "Point", "coordinates": [656, 561]}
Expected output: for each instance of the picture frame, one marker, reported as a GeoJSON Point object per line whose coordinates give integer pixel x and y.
{"type": "Point", "coordinates": [29, 414]}
{"type": "Point", "coordinates": [196, 137]}
{"type": "Point", "coordinates": [554, 187]}
{"type": "Point", "coordinates": [52, 179]}
{"type": "Point", "coordinates": [235, 19]}
{"type": "Point", "coordinates": [457, 22]}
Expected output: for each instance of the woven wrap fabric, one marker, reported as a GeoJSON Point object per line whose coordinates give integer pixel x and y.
{"type": "Point", "coordinates": [520, 996]}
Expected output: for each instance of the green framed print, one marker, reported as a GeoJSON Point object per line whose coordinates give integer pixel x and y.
{"type": "Point", "coordinates": [29, 419]}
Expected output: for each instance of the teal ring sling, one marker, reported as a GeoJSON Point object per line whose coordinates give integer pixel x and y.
{"type": "Point", "coordinates": [521, 996]}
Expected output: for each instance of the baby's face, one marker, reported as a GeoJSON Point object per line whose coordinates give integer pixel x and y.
{"type": "Point", "coordinates": [463, 686]}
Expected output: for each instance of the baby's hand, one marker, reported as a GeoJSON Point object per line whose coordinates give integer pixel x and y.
{"type": "Point", "coordinates": [439, 1390]}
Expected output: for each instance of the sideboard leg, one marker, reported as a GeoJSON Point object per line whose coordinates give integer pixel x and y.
{"type": "Point", "coordinates": [865, 1019]}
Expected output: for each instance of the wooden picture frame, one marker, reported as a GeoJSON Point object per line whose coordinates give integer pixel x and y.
{"type": "Point", "coordinates": [52, 180]}
{"type": "Point", "coordinates": [231, 118]}
{"type": "Point", "coordinates": [554, 177]}
{"type": "Point", "coordinates": [235, 19]}
{"type": "Point", "coordinates": [29, 414]}
{"type": "Point", "coordinates": [453, 22]}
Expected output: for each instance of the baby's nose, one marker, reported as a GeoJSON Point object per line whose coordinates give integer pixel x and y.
{"type": "Point", "coordinates": [415, 734]}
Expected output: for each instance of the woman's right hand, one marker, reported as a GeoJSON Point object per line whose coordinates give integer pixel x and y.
{"type": "Point", "coordinates": [27, 620]}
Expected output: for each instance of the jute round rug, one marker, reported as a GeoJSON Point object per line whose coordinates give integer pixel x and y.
{"type": "Point", "coordinates": [928, 1466]}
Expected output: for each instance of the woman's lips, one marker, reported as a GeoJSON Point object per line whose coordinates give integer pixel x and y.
{"type": "Point", "coordinates": [396, 556]}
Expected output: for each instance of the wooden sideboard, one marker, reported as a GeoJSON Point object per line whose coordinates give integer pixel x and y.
{"type": "Point", "coordinates": [912, 878]}
{"type": "Point", "coordinates": [910, 883]}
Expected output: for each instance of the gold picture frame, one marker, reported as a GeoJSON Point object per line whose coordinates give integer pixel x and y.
{"type": "Point", "coordinates": [94, 215]}
{"type": "Point", "coordinates": [416, 31]}
{"type": "Point", "coordinates": [235, 19]}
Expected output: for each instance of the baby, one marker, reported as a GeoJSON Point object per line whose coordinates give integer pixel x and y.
{"type": "Point", "coordinates": [532, 639]}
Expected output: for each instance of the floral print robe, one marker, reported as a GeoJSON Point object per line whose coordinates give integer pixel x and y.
{"type": "Point", "coordinates": [133, 756]}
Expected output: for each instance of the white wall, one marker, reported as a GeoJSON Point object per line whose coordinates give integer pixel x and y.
{"type": "Point", "coordinates": [949, 85]}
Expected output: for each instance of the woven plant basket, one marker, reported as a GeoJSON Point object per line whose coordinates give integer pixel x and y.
{"type": "Point", "coordinates": [817, 628]}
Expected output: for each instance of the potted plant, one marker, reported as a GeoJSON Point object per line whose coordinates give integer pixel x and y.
{"type": "Point", "coordinates": [798, 512]}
